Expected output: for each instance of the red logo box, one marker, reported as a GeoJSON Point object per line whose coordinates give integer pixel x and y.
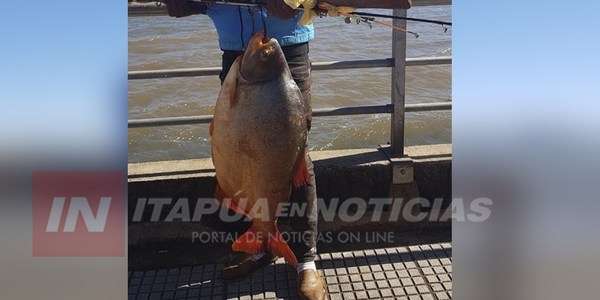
{"type": "Point", "coordinates": [79, 213]}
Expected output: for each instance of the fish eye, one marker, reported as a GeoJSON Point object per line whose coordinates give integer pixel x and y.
{"type": "Point", "coordinates": [265, 54]}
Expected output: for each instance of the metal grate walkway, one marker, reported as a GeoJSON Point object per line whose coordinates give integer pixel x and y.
{"type": "Point", "coordinates": [413, 272]}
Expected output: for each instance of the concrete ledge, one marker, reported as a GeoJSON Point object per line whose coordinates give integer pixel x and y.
{"type": "Point", "coordinates": [176, 169]}
{"type": "Point", "coordinates": [341, 174]}
{"type": "Point", "coordinates": [170, 170]}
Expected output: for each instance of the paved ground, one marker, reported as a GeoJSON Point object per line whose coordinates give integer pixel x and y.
{"type": "Point", "coordinates": [421, 271]}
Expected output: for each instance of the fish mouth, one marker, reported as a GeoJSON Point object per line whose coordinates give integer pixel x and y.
{"type": "Point", "coordinates": [260, 41]}
{"type": "Point", "coordinates": [262, 59]}
{"type": "Point", "coordinates": [260, 46]}
{"type": "Point", "coordinates": [265, 39]}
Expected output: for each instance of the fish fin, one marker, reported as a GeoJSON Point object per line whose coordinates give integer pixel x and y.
{"type": "Point", "coordinates": [302, 176]}
{"type": "Point", "coordinates": [279, 247]}
{"type": "Point", "coordinates": [228, 88]}
{"type": "Point", "coordinates": [226, 200]}
{"type": "Point", "coordinates": [249, 242]}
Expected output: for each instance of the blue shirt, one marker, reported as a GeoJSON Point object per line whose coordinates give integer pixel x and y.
{"type": "Point", "coordinates": [237, 24]}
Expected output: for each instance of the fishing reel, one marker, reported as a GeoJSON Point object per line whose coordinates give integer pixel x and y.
{"type": "Point", "coordinates": [358, 20]}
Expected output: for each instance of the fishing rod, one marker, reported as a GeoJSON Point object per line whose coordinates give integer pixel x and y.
{"type": "Point", "coordinates": [400, 18]}
{"type": "Point", "coordinates": [359, 4]}
{"type": "Point", "coordinates": [369, 17]}
{"type": "Point", "coordinates": [391, 4]}
{"type": "Point", "coordinates": [349, 18]}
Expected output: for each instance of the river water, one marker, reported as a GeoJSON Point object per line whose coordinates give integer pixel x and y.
{"type": "Point", "coordinates": [162, 42]}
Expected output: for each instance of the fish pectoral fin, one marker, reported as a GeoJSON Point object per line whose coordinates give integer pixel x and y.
{"type": "Point", "coordinates": [229, 86]}
{"type": "Point", "coordinates": [278, 246]}
{"type": "Point", "coordinates": [249, 242]}
{"type": "Point", "coordinates": [302, 176]}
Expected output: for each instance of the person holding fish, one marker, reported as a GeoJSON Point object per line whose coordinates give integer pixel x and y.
{"type": "Point", "coordinates": [246, 28]}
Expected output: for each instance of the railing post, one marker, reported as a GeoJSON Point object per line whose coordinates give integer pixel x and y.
{"type": "Point", "coordinates": [403, 184]}
{"type": "Point", "coordinates": [398, 84]}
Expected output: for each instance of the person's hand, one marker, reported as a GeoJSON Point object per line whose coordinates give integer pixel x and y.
{"type": "Point", "coordinates": [180, 8]}
{"type": "Point", "coordinates": [279, 9]}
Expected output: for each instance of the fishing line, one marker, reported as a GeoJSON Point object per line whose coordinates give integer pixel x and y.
{"type": "Point", "coordinates": [263, 20]}
{"type": "Point", "coordinates": [398, 28]}
{"type": "Point", "coordinates": [251, 12]}
{"type": "Point", "coordinates": [241, 26]}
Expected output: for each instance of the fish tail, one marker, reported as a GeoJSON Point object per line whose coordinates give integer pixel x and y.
{"type": "Point", "coordinates": [278, 246]}
{"type": "Point", "coordinates": [252, 242]}
{"type": "Point", "coordinates": [249, 242]}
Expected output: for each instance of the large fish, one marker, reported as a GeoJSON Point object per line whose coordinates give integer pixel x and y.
{"type": "Point", "coordinates": [258, 138]}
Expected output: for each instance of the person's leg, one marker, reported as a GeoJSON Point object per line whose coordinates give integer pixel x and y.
{"type": "Point", "coordinates": [304, 225]}
{"type": "Point", "coordinates": [299, 64]}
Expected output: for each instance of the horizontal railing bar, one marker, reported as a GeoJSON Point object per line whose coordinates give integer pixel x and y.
{"type": "Point", "coordinates": [169, 121]}
{"type": "Point", "coordinates": [428, 106]}
{"type": "Point", "coordinates": [353, 64]}
{"type": "Point", "coordinates": [431, 60]}
{"type": "Point", "coordinates": [431, 2]}
{"type": "Point", "coordinates": [172, 73]}
{"type": "Point", "coordinates": [352, 110]}
{"type": "Point", "coordinates": [320, 66]}
{"type": "Point", "coordinates": [321, 112]}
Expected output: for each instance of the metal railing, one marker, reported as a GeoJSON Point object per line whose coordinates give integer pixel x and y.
{"type": "Point", "coordinates": [322, 112]}
{"type": "Point", "coordinates": [317, 66]}
{"type": "Point", "coordinates": [397, 108]}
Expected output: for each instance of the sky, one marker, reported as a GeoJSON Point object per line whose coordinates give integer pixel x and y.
{"type": "Point", "coordinates": [525, 80]}
{"type": "Point", "coordinates": [64, 80]}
